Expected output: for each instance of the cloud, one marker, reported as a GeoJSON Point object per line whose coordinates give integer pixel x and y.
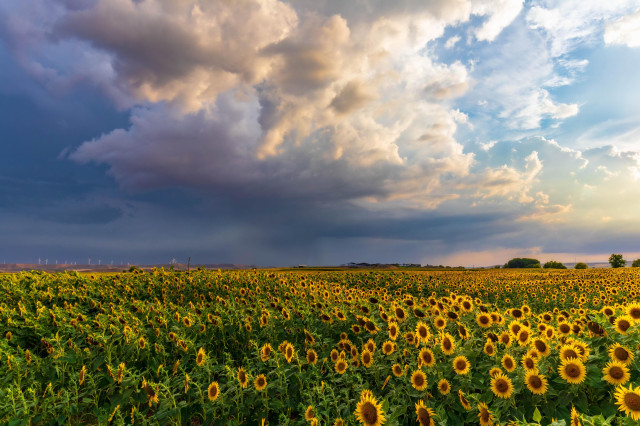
{"type": "Point", "coordinates": [501, 13]}
{"type": "Point", "coordinates": [569, 24]}
{"type": "Point", "coordinates": [625, 30]}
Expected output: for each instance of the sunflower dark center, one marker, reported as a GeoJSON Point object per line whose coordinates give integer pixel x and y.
{"type": "Point", "coordinates": [423, 416]}
{"type": "Point", "coordinates": [524, 336]}
{"type": "Point", "coordinates": [572, 370]}
{"type": "Point", "coordinates": [541, 346]}
{"type": "Point", "coordinates": [461, 364]}
{"type": "Point", "coordinates": [632, 401]}
{"type": "Point", "coordinates": [418, 380]}
{"type": "Point", "coordinates": [260, 381]}
{"type": "Point", "coordinates": [489, 349]}
{"type": "Point", "coordinates": [426, 357]}
{"type": "Point", "coordinates": [621, 353]}
{"type": "Point", "coordinates": [242, 376]}
{"type": "Point", "coordinates": [623, 325]}
{"type": "Point", "coordinates": [214, 391]}
{"type": "Point", "coordinates": [616, 372]}
{"type": "Point", "coordinates": [484, 320]}
{"type": "Point", "coordinates": [484, 415]}
{"type": "Point", "coordinates": [635, 313]}
{"type": "Point", "coordinates": [502, 386]}
{"type": "Point", "coordinates": [570, 353]}
{"type": "Point", "coordinates": [508, 363]}
{"type": "Point", "coordinates": [529, 363]}
{"type": "Point", "coordinates": [535, 382]}
{"type": "Point", "coordinates": [370, 326]}
{"type": "Point", "coordinates": [447, 344]}
{"type": "Point", "coordinates": [366, 358]}
{"type": "Point", "coordinates": [422, 331]}
{"type": "Point", "coordinates": [565, 328]}
{"type": "Point", "coordinates": [369, 413]}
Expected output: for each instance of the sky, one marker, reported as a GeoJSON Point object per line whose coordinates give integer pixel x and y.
{"type": "Point", "coordinates": [318, 132]}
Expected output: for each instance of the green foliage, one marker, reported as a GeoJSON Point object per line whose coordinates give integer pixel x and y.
{"type": "Point", "coordinates": [581, 265]}
{"type": "Point", "coordinates": [522, 262]}
{"type": "Point", "coordinates": [636, 263]}
{"type": "Point", "coordinates": [552, 264]}
{"type": "Point", "coordinates": [616, 261]}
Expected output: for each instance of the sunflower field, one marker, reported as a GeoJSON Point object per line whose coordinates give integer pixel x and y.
{"type": "Point", "coordinates": [321, 347]}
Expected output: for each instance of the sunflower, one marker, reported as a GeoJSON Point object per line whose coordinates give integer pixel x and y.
{"type": "Point", "coordinates": [425, 415]}
{"type": "Point", "coordinates": [369, 411]}
{"type": "Point", "coordinates": [575, 417]}
{"type": "Point", "coordinates": [200, 357]}
{"type": "Point", "coordinates": [401, 315]}
{"type": "Point", "coordinates": [505, 339]}
{"type": "Point", "coordinates": [524, 335]}
{"type": "Point", "coordinates": [529, 362]}
{"type": "Point", "coordinates": [501, 386]}
{"type": "Point", "coordinates": [341, 366]}
{"type": "Point", "coordinates": [367, 358]}
{"type": "Point", "coordinates": [393, 331]}
{"type": "Point", "coordinates": [542, 347]}
{"type": "Point", "coordinates": [152, 395]}
{"type": "Point", "coordinates": [439, 322]}
{"type": "Point", "coordinates": [447, 344]}
{"type": "Point", "coordinates": [618, 352]}
{"type": "Point", "coordinates": [334, 355]}
{"type": "Point", "coordinates": [486, 416]}
{"type": "Point", "coordinates": [265, 352]}
{"type": "Point", "coordinates": [422, 333]}
{"type": "Point", "coordinates": [536, 382]}
{"type": "Point", "coordinates": [462, 332]}
{"type": "Point", "coordinates": [461, 365]}
{"type": "Point", "coordinates": [83, 371]}
{"type": "Point", "coordinates": [289, 351]}
{"type": "Point", "coordinates": [444, 386]}
{"type": "Point", "coordinates": [397, 370]}
{"type": "Point", "coordinates": [419, 380]}
{"type": "Point", "coordinates": [572, 370]}
{"type": "Point", "coordinates": [370, 346]}
{"type": "Point", "coordinates": [633, 310]}
{"type": "Point", "coordinates": [623, 323]}
{"type": "Point", "coordinates": [410, 338]}
{"type": "Point", "coordinates": [508, 363]}
{"type": "Point", "coordinates": [489, 349]}
{"type": "Point", "coordinates": [142, 342]}
{"type": "Point", "coordinates": [463, 400]}
{"type": "Point", "coordinates": [484, 320]}
{"type": "Point", "coordinates": [242, 377]}
{"type": "Point", "coordinates": [260, 382]}
{"type": "Point", "coordinates": [568, 351]}
{"type": "Point", "coordinates": [388, 347]}
{"type": "Point", "coordinates": [425, 357]}
{"type": "Point", "coordinates": [309, 413]}
{"type": "Point", "coordinates": [312, 357]}
{"type": "Point", "coordinates": [616, 373]}
{"type": "Point", "coordinates": [213, 391]}
{"type": "Point", "coordinates": [629, 401]}
{"type": "Point", "coordinates": [495, 371]}
{"type": "Point", "coordinates": [338, 422]}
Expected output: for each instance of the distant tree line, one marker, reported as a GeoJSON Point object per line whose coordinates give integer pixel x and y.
{"type": "Point", "coordinates": [615, 260]}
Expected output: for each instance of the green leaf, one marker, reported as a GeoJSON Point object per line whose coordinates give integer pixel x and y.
{"type": "Point", "coordinates": [537, 416]}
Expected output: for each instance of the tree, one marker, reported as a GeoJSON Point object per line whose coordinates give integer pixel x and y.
{"type": "Point", "coordinates": [552, 264]}
{"type": "Point", "coordinates": [636, 263]}
{"type": "Point", "coordinates": [522, 262]}
{"type": "Point", "coordinates": [581, 265]}
{"type": "Point", "coordinates": [616, 261]}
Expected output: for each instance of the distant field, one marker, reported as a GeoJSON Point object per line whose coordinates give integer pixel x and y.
{"type": "Point", "coordinates": [321, 347]}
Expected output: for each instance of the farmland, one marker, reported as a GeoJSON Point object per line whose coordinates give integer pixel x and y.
{"type": "Point", "coordinates": [321, 347]}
